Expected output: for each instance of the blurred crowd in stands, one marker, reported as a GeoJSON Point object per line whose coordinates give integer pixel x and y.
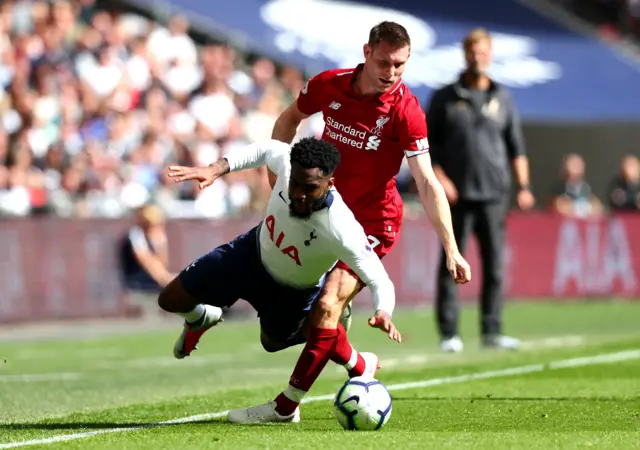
{"type": "Point", "coordinates": [94, 105]}
{"type": "Point", "coordinates": [573, 196]}
{"type": "Point", "coordinates": [614, 18]}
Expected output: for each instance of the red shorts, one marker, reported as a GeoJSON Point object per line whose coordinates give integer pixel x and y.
{"type": "Point", "coordinates": [381, 242]}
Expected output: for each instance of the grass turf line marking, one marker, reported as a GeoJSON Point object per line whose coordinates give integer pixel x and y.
{"type": "Point", "coordinates": [35, 377]}
{"type": "Point", "coordinates": [604, 358]}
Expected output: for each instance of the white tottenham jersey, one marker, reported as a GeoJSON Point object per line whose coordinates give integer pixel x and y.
{"type": "Point", "coordinates": [299, 252]}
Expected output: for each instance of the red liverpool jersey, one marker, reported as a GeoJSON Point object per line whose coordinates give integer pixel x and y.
{"type": "Point", "coordinates": [373, 134]}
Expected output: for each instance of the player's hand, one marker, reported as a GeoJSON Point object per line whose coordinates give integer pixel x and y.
{"type": "Point", "coordinates": [525, 200]}
{"type": "Point", "coordinates": [205, 176]}
{"type": "Point", "coordinates": [459, 268]}
{"type": "Point", "coordinates": [450, 191]}
{"type": "Point", "coordinates": [382, 320]}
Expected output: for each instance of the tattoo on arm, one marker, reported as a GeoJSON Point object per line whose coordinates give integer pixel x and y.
{"type": "Point", "coordinates": [222, 165]}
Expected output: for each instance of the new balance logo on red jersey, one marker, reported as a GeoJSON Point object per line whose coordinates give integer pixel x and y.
{"type": "Point", "coordinates": [335, 105]}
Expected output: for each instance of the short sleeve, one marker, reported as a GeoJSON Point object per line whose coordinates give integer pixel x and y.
{"type": "Point", "coordinates": [311, 96]}
{"type": "Point", "coordinates": [138, 240]}
{"type": "Point", "coordinates": [412, 125]}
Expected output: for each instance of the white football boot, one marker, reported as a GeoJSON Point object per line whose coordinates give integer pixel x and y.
{"type": "Point", "coordinates": [452, 345]}
{"type": "Point", "coordinates": [264, 413]}
{"type": "Point", "coordinates": [501, 342]}
{"type": "Point", "coordinates": [188, 339]}
{"type": "Point", "coordinates": [371, 364]}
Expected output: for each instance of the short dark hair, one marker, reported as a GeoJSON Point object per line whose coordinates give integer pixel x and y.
{"type": "Point", "coordinates": [313, 153]}
{"type": "Point", "coordinates": [392, 33]}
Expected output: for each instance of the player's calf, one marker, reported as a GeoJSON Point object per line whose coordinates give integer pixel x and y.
{"type": "Point", "coordinates": [357, 364]}
{"type": "Point", "coordinates": [323, 344]}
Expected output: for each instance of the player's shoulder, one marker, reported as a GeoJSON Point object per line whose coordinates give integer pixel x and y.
{"type": "Point", "coordinates": [408, 105]}
{"type": "Point", "coordinates": [276, 146]}
{"type": "Point", "coordinates": [333, 74]}
{"type": "Point", "coordinates": [332, 77]}
{"type": "Point", "coordinates": [278, 155]}
{"type": "Point", "coordinates": [339, 216]}
{"type": "Point", "coordinates": [404, 96]}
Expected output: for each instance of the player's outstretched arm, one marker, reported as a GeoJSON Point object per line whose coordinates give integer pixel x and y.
{"type": "Point", "coordinates": [436, 205]}
{"type": "Point", "coordinates": [205, 176]}
{"type": "Point", "coordinates": [273, 153]}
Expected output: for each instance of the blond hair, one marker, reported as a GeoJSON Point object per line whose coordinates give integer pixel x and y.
{"type": "Point", "coordinates": [476, 35]}
{"type": "Point", "coordinates": [151, 215]}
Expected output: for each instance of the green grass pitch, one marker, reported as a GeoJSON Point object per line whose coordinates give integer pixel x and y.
{"type": "Point", "coordinates": [574, 385]}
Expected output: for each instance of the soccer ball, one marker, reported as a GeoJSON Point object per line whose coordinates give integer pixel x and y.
{"type": "Point", "coordinates": [362, 403]}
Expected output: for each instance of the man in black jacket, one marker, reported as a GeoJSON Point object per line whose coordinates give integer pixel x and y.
{"type": "Point", "coordinates": [475, 137]}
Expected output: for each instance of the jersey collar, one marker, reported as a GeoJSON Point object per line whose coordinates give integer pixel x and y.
{"type": "Point", "coordinates": [328, 201]}
{"type": "Point", "coordinates": [382, 98]}
{"type": "Point", "coordinates": [462, 89]}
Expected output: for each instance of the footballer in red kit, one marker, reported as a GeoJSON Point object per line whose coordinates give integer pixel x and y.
{"type": "Point", "coordinates": [374, 121]}
{"type": "Point", "coordinates": [373, 135]}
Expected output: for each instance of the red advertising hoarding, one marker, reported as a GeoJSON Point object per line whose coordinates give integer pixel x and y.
{"type": "Point", "coordinates": [56, 268]}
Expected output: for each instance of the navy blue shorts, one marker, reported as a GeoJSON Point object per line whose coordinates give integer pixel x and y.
{"type": "Point", "coordinates": [234, 271]}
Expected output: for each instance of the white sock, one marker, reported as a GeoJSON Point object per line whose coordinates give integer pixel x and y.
{"type": "Point", "coordinates": [352, 361]}
{"type": "Point", "coordinates": [194, 315]}
{"type": "Point", "coordinates": [294, 394]}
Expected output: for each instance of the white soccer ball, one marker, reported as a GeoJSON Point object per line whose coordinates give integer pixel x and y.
{"type": "Point", "coordinates": [362, 403]}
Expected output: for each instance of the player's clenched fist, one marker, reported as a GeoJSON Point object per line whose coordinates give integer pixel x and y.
{"type": "Point", "coordinates": [205, 176]}
{"type": "Point", "coordinates": [382, 320]}
{"type": "Point", "coordinates": [459, 268]}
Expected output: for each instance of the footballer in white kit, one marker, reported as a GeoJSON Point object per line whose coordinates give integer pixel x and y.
{"type": "Point", "coordinates": [280, 265]}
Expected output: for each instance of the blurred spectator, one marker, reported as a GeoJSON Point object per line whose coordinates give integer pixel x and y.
{"type": "Point", "coordinates": [144, 259]}
{"type": "Point", "coordinates": [624, 191]}
{"type": "Point", "coordinates": [573, 196]}
{"type": "Point", "coordinates": [94, 104]}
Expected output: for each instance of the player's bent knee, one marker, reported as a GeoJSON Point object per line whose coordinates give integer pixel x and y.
{"type": "Point", "coordinates": [173, 298]}
{"type": "Point", "coordinates": [164, 300]}
{"type": "Point", "coordinates": [326, 311]}
{"type": "Point", "coordinates": [328, 305]}
{"type": "Point", "coordinates": [270, 345]}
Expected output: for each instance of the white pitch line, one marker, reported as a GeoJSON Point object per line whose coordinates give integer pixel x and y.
{"type": "Point", "coordinates": [520, 370]}
{"type": "Point", "coordinates": [34, 377]}
{"type": "Point", "coordinates": [421, 359]}
{"type": "Point", "coordinates": [553, 342]}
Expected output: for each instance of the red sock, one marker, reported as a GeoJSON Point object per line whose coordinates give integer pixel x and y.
{"type": "Point", "coordinates": [345, 355]}
{"type": "Point", "coordinates": [315, 355]}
